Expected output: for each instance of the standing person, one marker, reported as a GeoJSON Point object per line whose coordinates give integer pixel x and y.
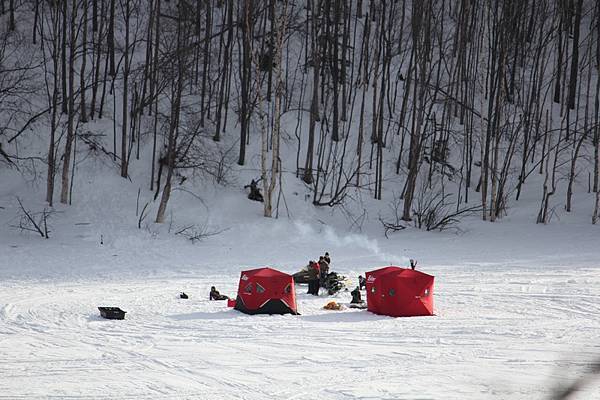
{"type": "Point", "coordinates": [309, 269]}
{"type": "Point", "coordinates": [327, 258]}
{"type": "Point", "coordinates": [313, 278]}
{"type": "Point", "coordinates": [324, 269]}
{"type": "Point", "coordinates": [413, 264]}
{"type": "Point", "coordinates": [362, 282]}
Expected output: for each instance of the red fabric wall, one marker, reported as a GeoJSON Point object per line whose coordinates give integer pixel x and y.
{"type": "Point", "coordinates": [399, 292]}
{"type": "Point", "coordinates": [257, 286]}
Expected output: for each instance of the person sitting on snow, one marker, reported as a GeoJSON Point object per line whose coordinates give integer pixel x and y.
{"type": "Point", "coordinates": [215, 295]}
{"type": "Point", "coordinates": [255, 193]}
{"type": "Point", "coordinates": [356, 299]}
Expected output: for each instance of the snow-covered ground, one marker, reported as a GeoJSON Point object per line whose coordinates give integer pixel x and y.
{"type": "Point", "coordinates": [517, 304]}
{"type": "Point", "coordinates": [510, 324]}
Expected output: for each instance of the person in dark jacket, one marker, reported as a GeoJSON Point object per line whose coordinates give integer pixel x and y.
{"type": "Point", "coordinates": [255, 193]}
{"type": "Point", "coordinates": [313, 278]}
{"type": "Point", "coordinates": [362, 282]}
{"type": "Point", "coordinates": [215, 295]}
{"type": "Point", "coordinates": [324, 270]}
{"type": "Point", "coordinates": [327, 258]}
{"type": "Point", "coordinates": [413, 264]}
{"type": "Point", "coordinates": [356, 298]}
{"type": "Point", "coordinates": [309, 269]}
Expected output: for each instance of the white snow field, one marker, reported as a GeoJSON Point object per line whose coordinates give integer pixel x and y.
{"type": "Point", "coordinates": [510, 324]}
{"type": "Point", "coordinates": [517, 304]}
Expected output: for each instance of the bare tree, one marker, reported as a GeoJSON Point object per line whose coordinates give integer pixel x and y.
{"type": "Point", "coordinates": [177, 73]}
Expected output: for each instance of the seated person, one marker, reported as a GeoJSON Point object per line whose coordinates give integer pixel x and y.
{"type": "Point", "coordinates": [356, 299]}
{"type": "Point", "coordinates": [215, 295]}
{"type": "Point", "coordinates": [255, 193]}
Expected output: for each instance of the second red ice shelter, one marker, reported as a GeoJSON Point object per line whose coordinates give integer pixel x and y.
{"type": "Point", "coordinates": [399, 292]}
{"type": "Point", "coordinates": [266, 291]}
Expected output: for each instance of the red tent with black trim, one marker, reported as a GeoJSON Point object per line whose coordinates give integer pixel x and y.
{"type": "Point", "coordinates": [266, 291]}
{"type": "Point", "coordinates": [399, 292]}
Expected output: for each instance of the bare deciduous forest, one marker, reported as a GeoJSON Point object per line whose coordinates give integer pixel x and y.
{"type": "Point", "coordinates": [439, 109]}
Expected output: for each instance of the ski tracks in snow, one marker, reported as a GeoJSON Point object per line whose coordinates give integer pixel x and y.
{"type": "Point", "coordinates": [498, 334]}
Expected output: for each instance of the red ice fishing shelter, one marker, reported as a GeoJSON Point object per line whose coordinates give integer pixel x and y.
{"type": "Point", "coordinates": [399, 292]}
{"type": "Point", "coordinates": [266, 291]}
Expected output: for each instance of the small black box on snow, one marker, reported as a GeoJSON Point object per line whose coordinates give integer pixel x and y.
{"type": "Point", "coordinates": [112, 312]}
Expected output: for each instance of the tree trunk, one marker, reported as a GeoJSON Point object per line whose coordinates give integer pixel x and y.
{"type": "Point", "coordinates": [125, 112]}
{"type": "Point", "coordinates": [65, 96]}
{"type": "Point", "coordinates": [575, 56]}
{"type": "Point", "coordinates": [55, 18]}
{"type": "Point", "coordinates": [177, 89]}
{"type": "Point", "coordinates": [82, 107]}
{"type": "Point", "coordinates": [64, 195]}
{"type": "Point", "coordinates": [314, 104]}
{"type": "Point", "coordinates": [11, 18]}
{"type": "Point", "coordinates": [246, 76]}
{"type": "Point", "coordinates": [111, 38]}
{"type": "Point", "coordinates": [275, 161]}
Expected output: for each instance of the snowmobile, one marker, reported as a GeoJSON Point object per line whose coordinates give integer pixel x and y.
{"type": "Point", "coordinates": [301, 276]}
{"type": "Point", "coordinates": [334, 282]}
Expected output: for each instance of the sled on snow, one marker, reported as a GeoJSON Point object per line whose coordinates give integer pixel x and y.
{"type": "Point", "coordinates": [112, 312]}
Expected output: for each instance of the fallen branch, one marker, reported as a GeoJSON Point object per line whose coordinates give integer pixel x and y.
{"type": "Point", "coordinates": [195, 233]}
{"type": "Point", "coordinates": [390, 227]}
{"type": "Point", "coordinates": [28, 222]}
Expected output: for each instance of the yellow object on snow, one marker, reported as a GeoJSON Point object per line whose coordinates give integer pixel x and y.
{"type": "Point", "coordinates": [332, 305]}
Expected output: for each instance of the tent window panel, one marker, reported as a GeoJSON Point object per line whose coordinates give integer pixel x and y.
{"type": "Point", "coordinates": [288, 289]}
{"type": "Point", "coordinates": [392, 292]}
{"type": "Point", "coordinates": [248, 288]}
{"type": "Point", "coordinates": [259, 289]}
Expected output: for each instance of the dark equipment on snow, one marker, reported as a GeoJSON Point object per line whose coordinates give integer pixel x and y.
{"type": "Point", "coordinates": [413, 264]}
{"type": "Point", "coordinates": [112, 312]}
{"type": "Point", "coordinates": [255, 193]}
{"type": "Point", "coordinates": [301, 276]}
{"type": "Point", "coordinates": [333, 282]}
{"type": "Point", "coordinates": [182, 295]}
